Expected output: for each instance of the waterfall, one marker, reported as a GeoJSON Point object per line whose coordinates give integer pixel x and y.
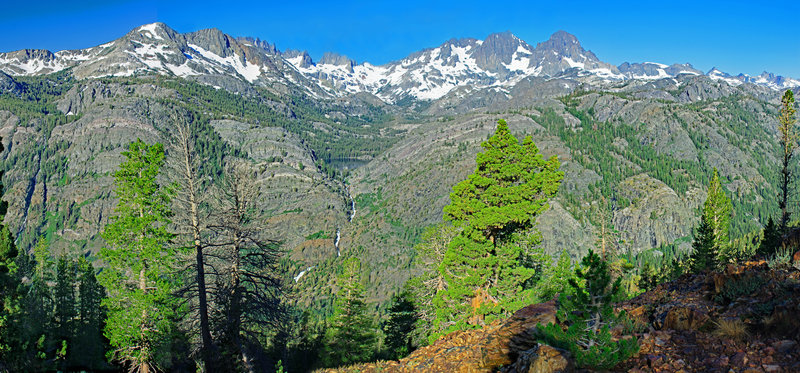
{"type": "Point", "coordinates": [336, 242]}
{"type": "Point", "coordinates": [299, 275]}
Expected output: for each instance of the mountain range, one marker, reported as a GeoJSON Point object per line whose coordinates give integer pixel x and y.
{"type": "Point", "coordinates": [354, 159]}
{"type": "Point", "coordinates": [498, 62]}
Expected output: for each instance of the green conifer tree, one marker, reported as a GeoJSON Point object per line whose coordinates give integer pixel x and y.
{"type": "Point", "coordinates": [587, 317]}
{"type": "Point", "coordinates": [399, 327]}
{"type": "Point", "coordinates": [38, 334]}
{"type": "Point", "coordinates": [9, 297]}
{"type": "Point", "coordinates": [428, 255]}
{"type": "Point", "coordinates": [141, 306]}
{"type": "Point", "coordinates": [90, 322]}
{"type": "Point", "coordinates": [65, 315]}
{"type": "Point", "coordinates": [556, 278]}
{"type": "Point", "coordinates": [712, 239]}
{"type": "Point", "coordinates": [788, 136]}
{"type": "Point", "coordinates": [351, 336]}
{"type": "Point", "coordinates": [483, 266]}
{"type": "Point", "coordinates": [771, 238]}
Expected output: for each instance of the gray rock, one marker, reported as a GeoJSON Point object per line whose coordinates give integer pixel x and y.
{"type": "Point", "coordinates": [8, 84]}
{"type": "Point", "coordinates": [331, 58]}
{"type": "Point", "coordinates": [305, 62]}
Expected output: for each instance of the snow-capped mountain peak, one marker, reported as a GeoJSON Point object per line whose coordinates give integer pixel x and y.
{"type": "Point", "coordinates": [500, 61]}
{"type": "Point", "coordinates": [209, 56]}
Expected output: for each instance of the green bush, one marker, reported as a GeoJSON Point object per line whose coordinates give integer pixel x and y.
{"type": "Point", "coordinates": [319, 235]}
{"type": "Point", "coordinates": [734, 289]}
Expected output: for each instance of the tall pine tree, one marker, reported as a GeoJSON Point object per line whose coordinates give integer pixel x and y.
{"type": "Point", "coordinates": [140, 302]}
{"type": "Point", "coordinates": [66, 314]}
{"type": "Point", "coordinates": [712, 239]}
{"type": "Point", "coordinates": [482, 267]}
{"type": "Point", "coordinates": [351, 336]}
{"type": "Point", "coordinates": [788, 136]}
{"type": "Point", "coordinates": [90, 322]}
{"type": "Point", "coordinates": [398, 329]}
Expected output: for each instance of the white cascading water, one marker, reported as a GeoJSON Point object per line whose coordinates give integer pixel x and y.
{"type": "Point", "coordinates": [336, 243]}
{"type": "Point", "coordinates": [299, 275]}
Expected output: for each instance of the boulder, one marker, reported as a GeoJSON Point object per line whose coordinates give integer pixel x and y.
{"type": "Point", "coordinates": [684, 318]}
{"type": "Point", "coordinates": [542, 359]}
{"type": "Point", "coordinates": [784, 346]}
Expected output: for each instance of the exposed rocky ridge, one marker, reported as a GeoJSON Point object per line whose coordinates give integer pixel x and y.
{"type": "Point", "coordinates": [480, 350]}
{"type": "Point", "coordinates": [331, 58]}
{"type": "Point", "coordinates": [677, 331]}
{"type": "Point", "coordinates": [501, 60]}
{"type": "Point", "coordinates": [29, 61]}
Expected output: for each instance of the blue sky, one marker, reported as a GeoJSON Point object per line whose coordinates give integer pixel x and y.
{"type": "Point", "coordinates": [734, 36]}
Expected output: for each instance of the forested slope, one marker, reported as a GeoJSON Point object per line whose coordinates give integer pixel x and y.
{"type": "Point", "coordinates": [637, 147]}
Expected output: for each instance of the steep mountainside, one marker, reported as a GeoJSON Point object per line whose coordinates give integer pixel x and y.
{"type": "Point", "coordinates": [59, 182]}
{"type": "Point", "coordinates": [643, 137]}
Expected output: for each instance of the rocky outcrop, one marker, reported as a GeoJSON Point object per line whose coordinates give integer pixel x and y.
{"type": "Point", "coordinates": [563, 233]}
{"type": "Point", "coordinates": [497, 50]}
{"type": "Point", "coordinates": [8, 84]}
{"type": "Point", "coordinates": [716, 322]}
{"type": "Point", "coordinates": [656, 216]}
{"type": "Point", "coordinates": [679, 328]}
{"type": "Point", "coordinates": [331, 58]}
{"type": "Point", "coordinates": [303, 62]}
{"type": "Point", "coordinates": [562, 52]}
{"type": "Point", "coordinates": [486, 349]}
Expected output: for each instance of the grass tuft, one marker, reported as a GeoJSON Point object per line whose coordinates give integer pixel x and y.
{"type": "Point", "coordinates": [732, 329]}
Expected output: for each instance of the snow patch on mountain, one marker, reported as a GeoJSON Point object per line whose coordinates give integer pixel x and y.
{"type": "Point", "coordinates": [716, 74]}
{"type": "Point", "coordinates": [246, 69]}
{"type": "Point", "coordinates": [152, 30]}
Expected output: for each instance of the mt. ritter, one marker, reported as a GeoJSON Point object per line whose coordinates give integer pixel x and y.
{"type": "Point", "coordinates": [357, 160]}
